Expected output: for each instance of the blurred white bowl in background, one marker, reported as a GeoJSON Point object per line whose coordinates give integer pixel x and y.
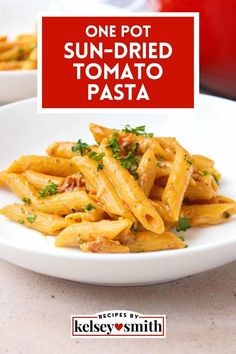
{"type": "Point", "coordinates": [20, 16]}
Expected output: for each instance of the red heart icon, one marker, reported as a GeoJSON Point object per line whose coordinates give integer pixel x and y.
{"type": "Point", "coordinates": [118, 326]}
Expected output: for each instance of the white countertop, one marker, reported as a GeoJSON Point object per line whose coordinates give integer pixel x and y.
{"type": "Point", "coordinates": [35, 313]}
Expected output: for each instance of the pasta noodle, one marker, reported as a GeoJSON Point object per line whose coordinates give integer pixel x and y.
{"type": "Point", "coordinates": [43, 164]}
{"type": "Point", "coordinates": [20, 54]}
{"type": "Point", "coordinates": [125, 195]}
{"type": "Point", "coordinates": [148, 241]}
{"type": "Point", "coordinates": [177, 183]}
{"type": "Point", "coordinates": [102, 187]}
{"type": "Point", "coordinates": [147, 171]}
{"type": "Point", "coordinates": [133, 196]}
{"type": "Point", "coordinates": [88, 231]}
{"type": "Point", "coordinates": [45, 223]}
{"type": "Point", "coordinates": [41, 180]}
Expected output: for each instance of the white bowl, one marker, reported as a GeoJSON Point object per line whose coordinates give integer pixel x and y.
{"type": "Point", "coordinates": [17, 85]}
{"type": "Point", "coordinates": [210, 130]}
{"type": "Point", "coordinates": [18, 17]}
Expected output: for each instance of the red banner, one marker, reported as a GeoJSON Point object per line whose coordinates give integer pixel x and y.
{"type": "Point", "coordinates": [118, 62]}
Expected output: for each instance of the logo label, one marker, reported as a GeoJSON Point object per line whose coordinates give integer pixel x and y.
{"type": "Point", "coordinates": [118, 323]}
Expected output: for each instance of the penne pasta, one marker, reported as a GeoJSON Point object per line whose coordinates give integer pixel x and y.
{"type": "Point", "coordinates": [201, 162]}
{"type": "Point", "coordinates": [145, 142]}
{"type": "Point", "coordinates": [65, 203]}
{"type": "Point", "coordinates": [148, 241]}
{"type": "Point", "coordinates": [20, 54]}
{"type": "Point", "coordinates": [45, 223]}
{"type": "Point", "coordinates": [103, 188]}
{"type": "Point", "coordinates": [101, 245]}
{"type": "Point", "coordinates": [100, 133]}
{"type": "Point", "coordinates": [93, 215]}
{"type": "Point", "coordinates": [201, 190]}
{"type": "Point", "coordinates": [177, 183]}
{"type": "Point", "coordinates": [133, 195]}
{"type": "Point", "coordinates": [76, 234]}
{"type": "Point", "coordinates": [147, 171]}
{"type": "Point", "coordinates": [19, 185]}
{"type": "Point", "coordinates": [164, 212]}
{"type": "Point", "coordinates": [208, 214]}
{"type": "Point", "coordinates": [205, 188]}
{"type": "Point", "coordinates": [3, 38]}
{"type": "Point", "coordinates": [64, 149]}
{"type": "Point", "coordinates": [121, 196]}
{"type": "Point", "coordinates": [43, 164]}
{"type": "Point", "coordinates": [61, 149]}
{"type": "Point", "coordinates": [41, 180]}
{"type": "Point", "coordinates": [103, 147]}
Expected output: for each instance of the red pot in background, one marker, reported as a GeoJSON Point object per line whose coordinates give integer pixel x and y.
{"type": "Point", "coordinates": [217, 40]}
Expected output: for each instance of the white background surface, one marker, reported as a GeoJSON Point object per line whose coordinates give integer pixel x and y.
{"type": "Point", "coordinates": [35, 313]}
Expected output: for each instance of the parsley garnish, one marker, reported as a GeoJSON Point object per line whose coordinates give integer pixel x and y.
{"type": "Point", "coordinates": [80, 147]}
{"type": "Point", "coordinates": [181, 238]}
{"type": "Point", "coordinates": [113, 144]}
{"type": "Point", "coordinates": [183, 224]}
{"type": "Point", "coordinates": [204, 173]}
{"type": "Point", "coordinates": [216, 179]}
{"type": "Point", "coordinates": [21, 221]}
{"type": "Point", "coordinates": [137, 131]}
{"type": "Point", "coordinates": [226, 215]}
{"type": "Point", "coordinates": [100, 166]}
{"type": "Point", "coordinates": [88, 207]}
{"type": "Point", "coordinates": [26, 200]}
{"type": "Point", "coordinates": [50, 189]}
{"type": "Point", "coordinates": [130, 162]}
{"type": "Point", "coordinates": [96, 156]}
{"type": "Point", "coordinates": [31, 218]}
{"type": "Point", "coordinates": [190, 162]}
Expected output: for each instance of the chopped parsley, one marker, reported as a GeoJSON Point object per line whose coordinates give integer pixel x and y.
{"type": "Point", "coordinates": [135, 148]}
{"type": "Point", "coordinates": [130, 163]}
{"type": "Point", "coordinates": [26, 200]}
{"type": "Point", "coordinates": [50, 189]}
{"type": "Point", "coordinates": [88, 207]}
{"type": "Point", "coordinates": [113, 144]}
{"type": "Point", "coordinates": [204, 173]}
{"type": "Point", "coordinates": [100, 166]}
{"type": "Point", "coordinates": [190, 162]}
{"type": "Point", "coordinates": [96, 156]}
{"type": "Point", "coordinates": [183, 224]}
{"type": "Point", "coordinates": [226, 215]}
{"type": "Point", "coordinates": [128, 160]}
{"type": "Point", "coordinates": [31, 218]}
{"type": "Point", "coordinates": [137, 131]}
{"type": "Point", "coordinates": [21, 221]}
{"type": "Point", "coordinates": [181, 238]}
{"type": "Point", "coordinates": [216, 179]}
{"type": "Point", "coordinates": [80, 147]}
